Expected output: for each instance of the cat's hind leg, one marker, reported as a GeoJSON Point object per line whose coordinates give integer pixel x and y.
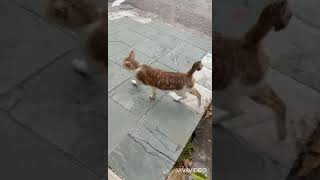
{"type": "Point", "coordinates": [153, 95]}
{"type": "Point", "coordinates": [182, 96]}
{"type": "Point", "coordinates": [268, 97]}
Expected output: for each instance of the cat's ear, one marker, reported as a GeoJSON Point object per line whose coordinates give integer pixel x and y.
{"type": "Point", "coordinates": [132, 55]}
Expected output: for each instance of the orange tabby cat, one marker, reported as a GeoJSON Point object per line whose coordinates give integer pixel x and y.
{"type": "Point", "coordinates": [240, 66]}
{"type": "Point", "coordinates": [85, 17]}
{"type": "Point", "coordinates": [180, 83]}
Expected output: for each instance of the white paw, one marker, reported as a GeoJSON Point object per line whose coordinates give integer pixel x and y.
{"type": "Point", "coordinates": [80, 66]}
{"type": "Point", "coordinates": [134, 82]}
{"type": "Point", "coordinates": [151, 97]}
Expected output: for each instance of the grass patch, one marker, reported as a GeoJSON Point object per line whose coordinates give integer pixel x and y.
{"type": "Point", "coordinates": [186, 153]}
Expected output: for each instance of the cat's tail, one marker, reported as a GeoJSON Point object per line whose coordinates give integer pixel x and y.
{"type": "Point", "coordinates": [197, 66]}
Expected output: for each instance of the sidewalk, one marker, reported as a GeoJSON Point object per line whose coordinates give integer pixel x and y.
{"type": "Point", "coordinates": [53, 121]}
{"type": "Point", "coordinates": [146, 137]}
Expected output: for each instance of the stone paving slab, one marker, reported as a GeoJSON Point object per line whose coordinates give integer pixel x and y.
{"type": "Point", "coordinates": [236, 159]}
{"type": "Point", "coordinates": [119, 57]}
{"type": "Point", "coordinates": [145, 153]}
{"type": "Point", "coordinates": [24, 155]}
{"type": "Point", "coordinates": [156, 139]}
{"type": "Point", "coordinates": [45, 46]}
{"type": "Point", "coordinates": [39, 6]}
{"type": "Point", "coordinates": [116, 75]}
{"type": "Point", "coordinates": [169, 115]}
{"type": "Point", "coordinates": [67, 110]}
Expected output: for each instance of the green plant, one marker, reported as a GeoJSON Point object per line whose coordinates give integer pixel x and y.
{"type": "Point", "coordinates": [199, 176]}
{"type": "Point", "coordinates": [185, 154]}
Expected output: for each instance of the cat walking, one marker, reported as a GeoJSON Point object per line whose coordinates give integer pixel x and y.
{"type": "Point", "coordinates": [177, 82]}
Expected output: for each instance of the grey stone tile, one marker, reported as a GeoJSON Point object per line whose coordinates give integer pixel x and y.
{"type": "Point", "coordinates": [9, 99]}
{"type": "Point", "coordinates": [170, 30]}
{"type": "Point", "coordinates": [152, 48]}
{"type": "Point", "coordinates": [114, 27]}
{"type": "Point", "coordinates": [19, 58]}
{"type": "Point", "coordinates": [201, 42]}
{"type": "Point", "coordinates": [120, 122]}
{"type": "Point", "coordinates": [26, 156]}
{"type": "Point", "coordinates": [246, 163]}
{"type": "Point", "coordinates": [167, 40]}
{"type": "Point", "coordinates": [116, 46]}
{"type": "Point", "coordinates": [145, 30]}
{"type": "Point", "coordinates": [140, 57]}
{"type": "Point", "coordinates": [190, 51]}
{"type": "Point", "coordinates": [168, 116]}
{"type": "Point", "coordinates": [116, 75]}
{"type": "Point", "coordinates": [161, 66]}
{"type": "Point", "coordinates": [36, 6]}
{"type": "Point", "coordinates": [135, 98]}
{"type": "Point", "coordinates": [129, 37]}
{"type": "Point", "coordinates": [178, 62]}
{"type": "Point", "coordinates": [39, 6]}
{"type": "Point", "coordinates": [127, 22]}
{"type": "Point", "coordinates": [153, 151]}
{"type": "Point", "coordinates": [67, 110]}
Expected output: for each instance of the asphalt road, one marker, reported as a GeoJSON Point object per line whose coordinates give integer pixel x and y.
{"type": "Point", "coordinates": [196, 15]}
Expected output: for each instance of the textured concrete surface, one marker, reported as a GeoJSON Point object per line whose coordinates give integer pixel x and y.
{"type": "Point", "coordinates": [146, 137]}
{"type": "Point", "coordinates": [53, 121]}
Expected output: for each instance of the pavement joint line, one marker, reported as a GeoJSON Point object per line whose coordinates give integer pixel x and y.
{"type": "Point", "coordinates": [44, 20]}
{"type": "Point", "coordinates": [17, 101]}
{"type": "Point", "coordinates": [44, 67]}
{"type": "Point", "coordinates": [56, 147]}
{"type": "Point", "coordinates": [306, 22]}
{"type": "Point", "coordinates": [296, 80]}
{"type": "Point", "coordinates": [34, 13]}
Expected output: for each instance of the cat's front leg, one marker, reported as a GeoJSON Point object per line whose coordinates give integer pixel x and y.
{"type": "Point", "coordinates": [268, 97]}
{"type": "Point", "coordinates": [153, 95]}
{"type": "Point", "coordinates": [136, 82]}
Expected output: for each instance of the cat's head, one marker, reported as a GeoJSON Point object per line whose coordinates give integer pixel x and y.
{"type": "Point", "coordinates": [130, 62]}
{"type": "Point", "coordinates": [197, 66]}
{"type": "Point", "coordinates": [276, 14]}
{"type": "Point", "coordinates": [72, 13]}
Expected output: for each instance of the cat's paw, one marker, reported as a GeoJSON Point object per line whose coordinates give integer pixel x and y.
{"type": "Point", "coordinates": [80, 66]}
{"type": "Point", "coordinates": [199, 103]}
{"type": "Point", "coordinates": [134, 82]}
{"type": "Point", "coordinates": [151, 97]}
